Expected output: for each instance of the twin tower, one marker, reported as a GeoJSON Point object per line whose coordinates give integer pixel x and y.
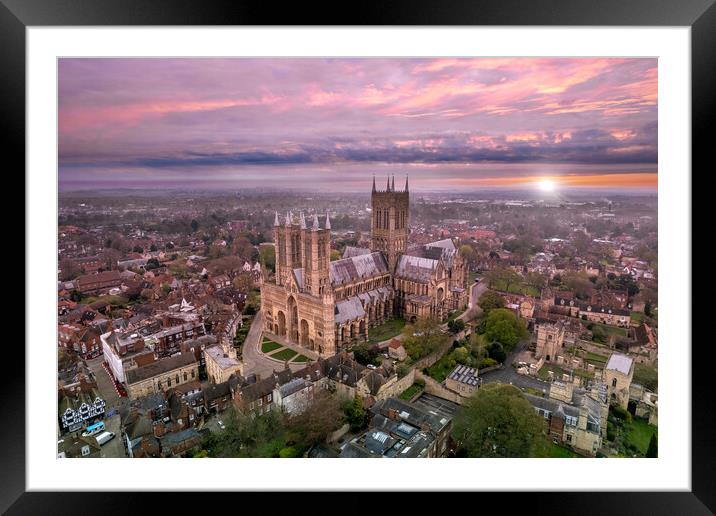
{"type": "Point", "coordinates": [303, 250]}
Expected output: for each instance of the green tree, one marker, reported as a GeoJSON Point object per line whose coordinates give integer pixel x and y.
{"type": "Point", "coordinates": [653, 450]}
{"type": "Point", "coordinates": [505, 327]}
{"type": "Point", "coordinates": [321, 417]}
{"type": "Point", "coordinates": [249, 435]}
{"type": "Point", "coordinates": [502, 278]}
{"type": "Point", "coordinates": [268, 257]}
{"type": "Point", "coordinates": [490, 300]}
{"type": "Point", "coordinates": [498, 421]}
{"type": "Point", "coordinates": [194, 225]}
{"type": "Point", "coordinates": [356, 415]}
{"type": "Point", "coordinates": [456, 326]}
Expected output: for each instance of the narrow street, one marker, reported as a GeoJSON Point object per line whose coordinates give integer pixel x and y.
{"type": "Point", "coordinates": [115, 447]}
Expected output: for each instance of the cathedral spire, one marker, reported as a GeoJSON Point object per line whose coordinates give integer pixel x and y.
{"type": "Point", "coordinates": [328, 221]}
{"type": "Point", "coordinates": [316, 227]}
{"type": "Point", "coordinates": [392, 187]}
{"type": "Point", "coordinates": [387, 188]}
{"type": "Point", "coordinates": [374, 182]}
{"type": "Point", "coordinates": [302, 221]}
{"type": "Point", "coordinates": [275, 220]}
{"type": "Point", "coordinates": [406, 182]}
{"type": "Point", "coordinates": [288, 219]}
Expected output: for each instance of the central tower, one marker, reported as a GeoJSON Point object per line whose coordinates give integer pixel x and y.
{"type": "Point", "coordinates": [389, 225]}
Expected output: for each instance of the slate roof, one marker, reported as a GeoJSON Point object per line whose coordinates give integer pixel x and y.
{"type": "Point", "coordinates": [348, 310]}
{"type": "Point", "coordinates": [159, 367]}
{"type": "Point", "coordinates": [348, 270]}
{"type": "Point", "coordinates": [351, 251]}
{"type": "Point", "coordinates": [416, 268]}
{"type": "Point", "coordinates": [446, 243]}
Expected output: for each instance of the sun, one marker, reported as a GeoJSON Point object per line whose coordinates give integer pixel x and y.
{"type": "Point", "coordinates": [546, 185]}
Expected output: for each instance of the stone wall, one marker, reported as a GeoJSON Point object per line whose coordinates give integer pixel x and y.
{"type": "Point", "coordinates": [395, 386]}
{"type": "Point", "coordinates": [435, 388]}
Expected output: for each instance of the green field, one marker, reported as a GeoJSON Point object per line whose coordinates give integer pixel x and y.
{"type": "Point", "coordinates": [385, 331]}
{"type": "Point", "coordinates": [284, 354]}
{"type": "Point", "coordinates": [411, 391]}
{"type": "Point", "coordinates": [301, 358]}
{"type": "Point", "coordinates": [268, 346]}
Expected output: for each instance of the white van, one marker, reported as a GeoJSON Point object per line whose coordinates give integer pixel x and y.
{"type": "Point", "coordinates": [104, 438]}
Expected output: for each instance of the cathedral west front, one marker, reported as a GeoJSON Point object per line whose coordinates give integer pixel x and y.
{"type": "Point", "coordinates": [328, 306]}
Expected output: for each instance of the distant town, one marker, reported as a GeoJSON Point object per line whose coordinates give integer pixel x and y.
{"type": "Point", "coordinates": [392, 322]}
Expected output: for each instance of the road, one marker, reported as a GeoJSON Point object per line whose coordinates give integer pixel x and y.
{"type": "Point", "coordinates": [105, 385]}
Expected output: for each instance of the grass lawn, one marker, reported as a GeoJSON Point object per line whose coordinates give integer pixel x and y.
{"type": "Point", "coordinates": [411, 391]}
{"type": "Point", "coordinates": [301, 358]}
{"type": "Point", "coordinates": [597, 360]}
{"type": "Point", "coordinates": [440, 369]}
{"type": "Point", "coordinates": [525, 290]}
{"type": "Point", "coordinates": [637, 317]}
{"type": "Point", "coordinates": [639, 433]}
{"type": "Point", "coordinates": [534, 392]}
{"type": "Point", "coordinates": [612, 329]}
{"type": "Point", "coordinates": [268, 345]}
{"type": "Point", "coordinates": [116, 300]}
{"type": "Point", "coordinates": [543, 372]}
{"type": "Point", "coordinates": [471, 278]}
{"type": "Point", "coordinates": [385, 331]}
{"type": "Point", "coordinates": [560, 452]}
{"type": "Point", "coordinates": [284, 354]}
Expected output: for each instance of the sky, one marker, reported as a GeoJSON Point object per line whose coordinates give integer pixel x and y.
{"type": "Point", "coordinates": [331, 124]}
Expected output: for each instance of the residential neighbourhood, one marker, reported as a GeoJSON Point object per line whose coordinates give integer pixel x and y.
{"type": "Point", "coordinates": [174, 339]}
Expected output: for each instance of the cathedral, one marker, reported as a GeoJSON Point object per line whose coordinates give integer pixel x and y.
{"type": "Point", "coordinates": [328, 306]}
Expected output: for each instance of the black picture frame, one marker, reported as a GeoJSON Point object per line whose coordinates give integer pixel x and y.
{"type": "Point", "coordinates": [700, 15]}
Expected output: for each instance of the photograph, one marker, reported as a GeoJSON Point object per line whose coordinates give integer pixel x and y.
{"type": "Point", "coordinates": [430, 257]}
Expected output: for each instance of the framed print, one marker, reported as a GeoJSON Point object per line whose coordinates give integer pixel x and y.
{"type": "Point", "coordinates": [452, 234]}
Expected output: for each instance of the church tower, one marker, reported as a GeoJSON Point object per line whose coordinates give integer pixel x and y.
{"type": "Point", "coordinates": [389, 224]}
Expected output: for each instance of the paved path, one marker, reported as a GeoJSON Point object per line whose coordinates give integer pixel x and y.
{"type": "Point", "coordinates": [255, 361]}
{"type": "Point", "coordinates": [508, 374]}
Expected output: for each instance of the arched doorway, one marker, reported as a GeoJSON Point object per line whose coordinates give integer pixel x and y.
{"type": "Point", "coordinates": [304, 332]}
{"type": "Point", "coordinates": [292, 319]}
{"type": "Point", "coordinates": [441, 294]}
{"type": "Point", "coordinates": [281, 324]}
{"type": "Point", "coordinates": [361, 329]}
